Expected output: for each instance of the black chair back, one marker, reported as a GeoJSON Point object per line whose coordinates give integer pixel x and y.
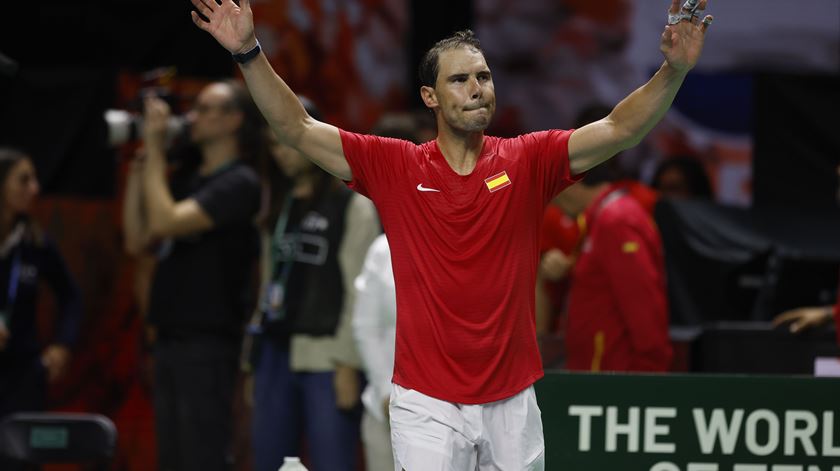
{"type": "Point", "coordinates": [47, 437]}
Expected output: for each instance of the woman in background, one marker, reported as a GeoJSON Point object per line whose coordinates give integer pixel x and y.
{"type": "Point", "coordinates": [27, 257]}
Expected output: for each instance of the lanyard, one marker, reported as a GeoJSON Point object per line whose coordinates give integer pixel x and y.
{"type": "Point", "coordinates": [276, 240]}
{"type": "Point", "coordinates": [273, 308]}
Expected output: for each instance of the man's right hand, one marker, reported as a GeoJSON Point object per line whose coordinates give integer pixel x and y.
{"type": "Point", "coordinates": [231, 25]}
{"type": "Point", "coordinates": [155, 120]}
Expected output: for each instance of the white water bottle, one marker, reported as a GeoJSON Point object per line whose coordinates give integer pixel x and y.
{"type": "Point", "coordinates": [292, 463]}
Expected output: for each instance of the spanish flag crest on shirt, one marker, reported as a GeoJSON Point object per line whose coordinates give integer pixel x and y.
{"type": "Point", "coordinates": [498, 181]}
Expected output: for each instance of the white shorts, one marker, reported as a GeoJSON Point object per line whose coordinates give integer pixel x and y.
{"type": "Point", "coordinates": [433, 435]}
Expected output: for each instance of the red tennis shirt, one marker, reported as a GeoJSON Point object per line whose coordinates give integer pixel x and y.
{"type": "Point", "coordinates": [464, 250]}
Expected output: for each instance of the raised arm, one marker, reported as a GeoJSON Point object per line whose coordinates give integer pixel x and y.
{"type": "Point", "coordinates": [629, 122]}
{"type": "Point", "coordinates": [233, 27]}
{"type": "Point", "coordinates": [165, 217]}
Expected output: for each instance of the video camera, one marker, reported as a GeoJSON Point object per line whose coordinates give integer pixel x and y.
{"type": "Point", "coordinates": [127, 125]}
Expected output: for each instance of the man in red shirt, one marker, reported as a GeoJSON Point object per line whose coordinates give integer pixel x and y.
{"type": "Point", "coordinates": [618, 312]}
{"type": "Point", "coordinates": [462, 215]}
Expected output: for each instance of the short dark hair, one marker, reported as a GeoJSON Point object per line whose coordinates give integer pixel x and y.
{"type": "Point", "coordinates": [430, 66]}
{"type": "Point", "coordinates": [692, 170]}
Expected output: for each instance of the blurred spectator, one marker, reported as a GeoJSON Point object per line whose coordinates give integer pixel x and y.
{"type": "Point", "coordinates": [560, 236]}
{"type": "Point", "coordinates": [201, 223]}
{"type": "Point", "coordinates": [306, 366]}
{"type": "Point", "coordinates": [27, 257]}
{"type": "Point", "coordinates": [618, 315]}
{"type": "Point", "coordinates": [374, 325]}
{"type": "Point", "coordinates": [682, 177]}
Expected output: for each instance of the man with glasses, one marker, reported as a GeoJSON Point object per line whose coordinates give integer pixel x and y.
{"type": "Point", "coordinates": [200, 223]}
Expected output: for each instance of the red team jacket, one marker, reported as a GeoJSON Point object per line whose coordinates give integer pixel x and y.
{"type": "Point", "coordinates": [618, 312]}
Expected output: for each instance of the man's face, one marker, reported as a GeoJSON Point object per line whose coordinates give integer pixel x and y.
{"type": "Point", "coordinates": [464, 92]}
{"type": "Point", "coordinates": [214, 116]}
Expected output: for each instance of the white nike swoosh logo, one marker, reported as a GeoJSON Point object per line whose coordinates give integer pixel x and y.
{"type": "Point", "coordinates": [420, 187]}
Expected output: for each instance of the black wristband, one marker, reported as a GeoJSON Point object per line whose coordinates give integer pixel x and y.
{"type": "Point", "coordinates": [248, 55]}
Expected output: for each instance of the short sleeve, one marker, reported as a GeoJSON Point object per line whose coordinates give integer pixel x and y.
{"type": "Point", "coordinates": [550, 150]}
{"type": "Point", "coordinates": [374, 161]}
{"type": "Point", "coordinates": [231, 197]}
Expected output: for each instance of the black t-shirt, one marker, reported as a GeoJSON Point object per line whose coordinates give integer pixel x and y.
{"type": "Point", "coordinates": [203, 282]}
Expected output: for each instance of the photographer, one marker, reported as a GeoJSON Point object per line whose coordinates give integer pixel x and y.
{"type": "Point", "coordinates": [201, 223]}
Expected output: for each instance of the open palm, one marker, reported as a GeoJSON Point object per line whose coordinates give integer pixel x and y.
{"type": "Point", "coordinates": [682, 43]}
{"type": "Point", "coordinates": [231, 25]}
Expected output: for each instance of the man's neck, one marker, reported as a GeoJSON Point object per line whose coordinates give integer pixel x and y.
{"type": "Point", "coordinates": [216, 155]}
{"type": "Point", "coordinates": [460, 149]}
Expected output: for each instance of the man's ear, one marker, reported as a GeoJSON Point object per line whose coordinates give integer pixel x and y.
{"type": "Point", "coordinates": [429, 97]}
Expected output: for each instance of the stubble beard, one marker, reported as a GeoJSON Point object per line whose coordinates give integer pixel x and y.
{"type": "Point", "coordinates": [471, 124]}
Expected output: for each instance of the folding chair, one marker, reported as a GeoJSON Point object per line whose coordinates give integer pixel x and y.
{"type": "Point", "coordinates": [47, 437]}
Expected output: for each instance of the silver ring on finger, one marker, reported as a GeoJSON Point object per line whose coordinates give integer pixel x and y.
{"type": "Point", "coordinates": [675, 18]}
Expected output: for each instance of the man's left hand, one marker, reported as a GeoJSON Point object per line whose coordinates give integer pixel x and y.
{"type": "Point", "coordinates": [681, 43]}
